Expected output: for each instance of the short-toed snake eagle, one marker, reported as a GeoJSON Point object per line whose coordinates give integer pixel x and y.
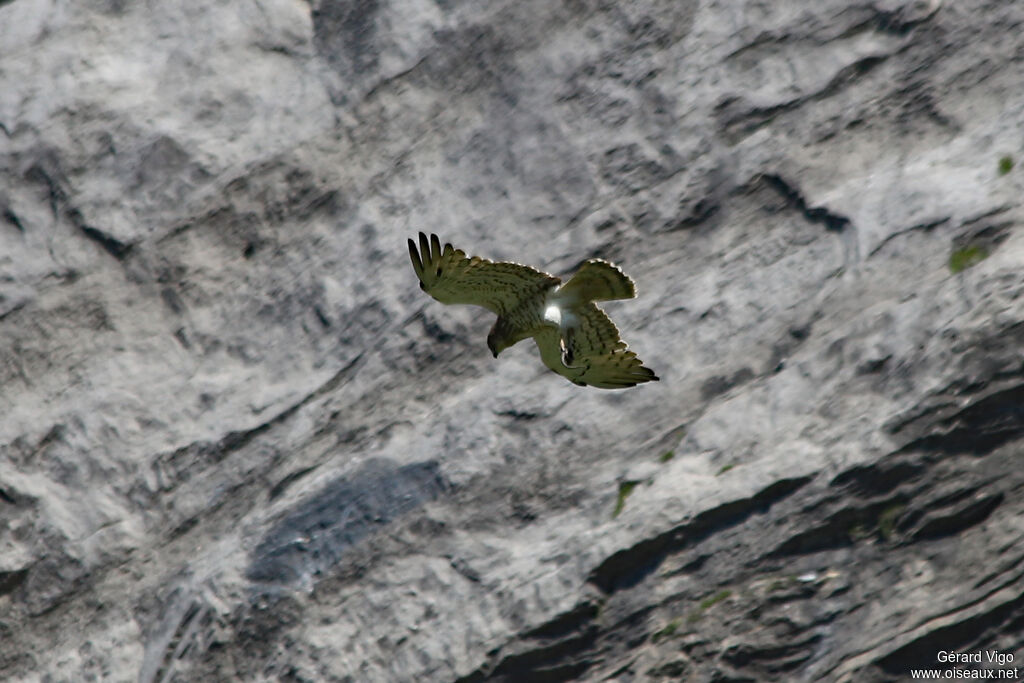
{"type": "Point", "coordinates": [575, 337]}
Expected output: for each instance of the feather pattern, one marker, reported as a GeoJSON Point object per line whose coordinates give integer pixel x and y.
{"type": "Point", "coordinates": [451, 277]}
{"type": "Point", "coordinates": [575, 337]}
{"type": "Point", "coordinates": [591, 352]}
{"type": "Point", "coordinates": [598, 280]}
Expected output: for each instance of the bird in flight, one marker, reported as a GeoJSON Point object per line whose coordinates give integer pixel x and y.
{"type": "Point", "coordinates": [575, 337]}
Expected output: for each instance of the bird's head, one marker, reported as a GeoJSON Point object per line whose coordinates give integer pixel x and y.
{"type": "Point", "coordinates": [500, 337]}
{"type": "Point", "coordinates": [495, 343]}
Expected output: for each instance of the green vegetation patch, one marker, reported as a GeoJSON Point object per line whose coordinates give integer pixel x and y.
{"type": "Point", "coordinates": [781, 583]}
{"type": "Point", "coordinates": [965, 257]}
{"type": "Point", "coordinates": [725, 468]}
{"type": "Point", "coordinates": [625, 489]}
{"type": "Point", "coordinates": [709, 602]}
{"type": "Point", "coordinates": [666, 456]}
{"type": "Point", "coordinates": [1005, 164]}
{"type": "Point", "coordinates": [713, 600]}
{"type": "Point", "coordinates": [887, 520]}
{"type": "Point", "coordinates": [667, 632]}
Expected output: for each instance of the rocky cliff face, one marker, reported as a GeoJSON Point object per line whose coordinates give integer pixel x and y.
{"type": "Point", "coordinates": [238, 443]}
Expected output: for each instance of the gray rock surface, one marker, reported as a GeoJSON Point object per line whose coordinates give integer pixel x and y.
{"type": "Point", "coordinates": [238, 443]}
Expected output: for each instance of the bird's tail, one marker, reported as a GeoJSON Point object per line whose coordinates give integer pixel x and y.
{"type": "Point", "coordinates": [598, 280]}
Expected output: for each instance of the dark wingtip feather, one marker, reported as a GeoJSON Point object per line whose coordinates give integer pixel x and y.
{"type": "Point", "coordinates": [417, 264]}
{"type": "Point", "coordinates": [425, 249]}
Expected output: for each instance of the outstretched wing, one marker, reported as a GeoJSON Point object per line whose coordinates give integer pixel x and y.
{"type": "Point", "coordinates": [590, 352]}
{"type": "Point", "coordinates": [451, 277]}
{"type": "Point", "coordinates": [598, 280]}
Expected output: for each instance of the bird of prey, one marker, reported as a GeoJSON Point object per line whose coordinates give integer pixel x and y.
{"type": "Point", "coordinates": [575, 337]}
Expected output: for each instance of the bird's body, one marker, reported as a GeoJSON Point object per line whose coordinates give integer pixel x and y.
{"type": "Point", "coordinates": [575, 338]}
